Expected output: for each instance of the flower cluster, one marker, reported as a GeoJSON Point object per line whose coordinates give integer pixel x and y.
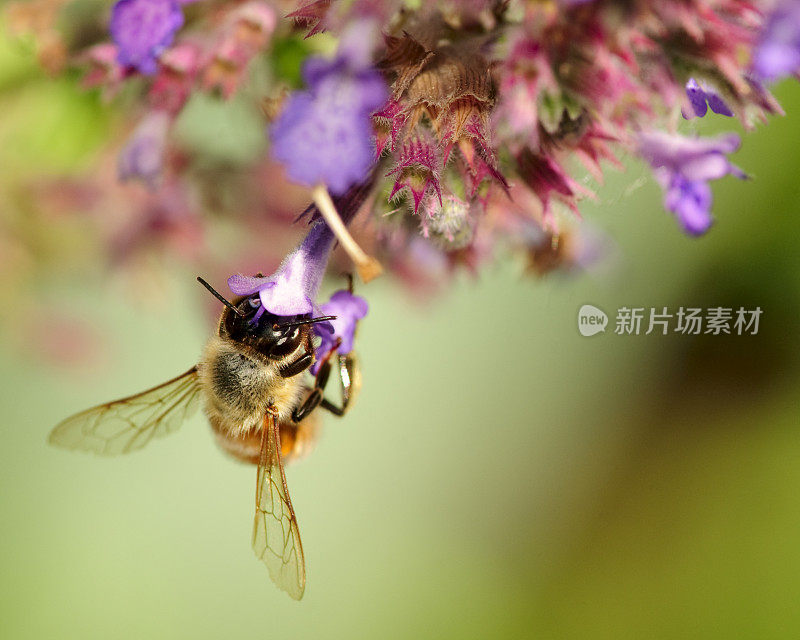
{"type": "Point", "coordinates": [461, 125]}
{"type": "Point", "coordinates": [487, 98]}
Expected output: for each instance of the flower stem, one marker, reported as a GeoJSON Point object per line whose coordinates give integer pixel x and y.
{"type": "Point", "coordinates": [367, 266]}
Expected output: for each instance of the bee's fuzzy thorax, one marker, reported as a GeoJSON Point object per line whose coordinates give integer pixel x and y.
{"type": "Point", "coordinates": [238, 383]}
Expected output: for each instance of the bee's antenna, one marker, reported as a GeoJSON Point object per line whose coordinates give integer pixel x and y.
{"type": "Point", "coordinates": [219, 297]}
{"type": "Point", "coordinates": [297, 323]}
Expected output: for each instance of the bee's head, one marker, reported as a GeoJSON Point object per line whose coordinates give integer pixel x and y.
{"type": "Point", "coordinates": [271, 335]}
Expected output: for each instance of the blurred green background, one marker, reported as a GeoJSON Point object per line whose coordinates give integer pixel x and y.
{"type": "Point", "coordinates": [500, 475]}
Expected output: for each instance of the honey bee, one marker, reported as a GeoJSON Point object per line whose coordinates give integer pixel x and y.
{"type": "Point", "coordinates": [260, 408]}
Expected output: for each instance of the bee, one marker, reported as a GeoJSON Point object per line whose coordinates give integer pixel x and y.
{"type": "Point", "coordinates": [261, 410]}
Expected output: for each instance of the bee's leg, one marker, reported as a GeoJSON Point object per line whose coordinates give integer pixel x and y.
{"type": "Point", "coordinates": [298, 366]}
{"type": "Point", "coordinates": [315, 397]}
{"type": "Point", "coordinates": [349, 374]}
{"type": "Point", "coordinates": [301, 364]}
{"type": "Point", "coordinates": [350, 377]}
{"type": "Point", "coordinates": [309, 404]}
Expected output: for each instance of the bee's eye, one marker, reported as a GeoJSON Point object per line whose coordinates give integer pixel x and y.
{"type": "Point", "coordinates": [254, 302]}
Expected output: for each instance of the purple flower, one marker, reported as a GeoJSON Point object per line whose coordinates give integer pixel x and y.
{"type": "Point", "coordinates": [292, 289]}
{"type": "Point", "coordinates": [701, 98]}
{"type": "Point", "coordinates": [691, 202]}
{"type": "Point", "coordinates": [142, 157]}
{"type": "Point", "coordinates": [684, 166]}
{"type": "Point", "coordinates": [348, 309]}
{"type": "Point", "coordinates": [777, 53]}
{"type": "Point", "coordinates": [142, 29]}
{"type": "Point", "coordinates": [325, 133]}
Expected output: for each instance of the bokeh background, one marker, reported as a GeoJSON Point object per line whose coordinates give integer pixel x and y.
{"type": "Point", "coordinates": [500, 475]}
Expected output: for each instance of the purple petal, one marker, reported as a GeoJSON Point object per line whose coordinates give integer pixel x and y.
{"type": "Point", "coordinates": [323, 141]}
{"type": "Point", "coordinates": [324, 134]}
{"type": "Point", "coordinates": [142, 157]}
{"type": "Point", "coordinates": [778, 51]}
{"type": "Point", "coordinates": [357, 43]}
{"type": "Point", "coordinates": [348, 309]}
{"type": "Point", "coordinates": [316, 70]}
{"type": "Point", "coordinates": [292, 289]}
{"type": "Point", "coordinates": [691, 204]}
{"type": "Point", "coordinates": [275, 300]}
{"type": "Point", "coordinates": [697, 98]}
{"type": "Point", "coordinates": [674, 152]}
{"type": "Point", "coordinates": [718, 105]}
{"type": "Point", "coordinates": [701, 98]}
{"type": "Point", "coordinates": [708, 167]}
{"type": "Point", "coordinates": [142, 29]}
{"type": "Point", "coordinates": [775, 60]}
{"type": "Point", "coordinates": [326, 344]}
{"type": "Point", "coordinates": [247, 285]}
{"type": "Point", "coordinates": [683, 166]}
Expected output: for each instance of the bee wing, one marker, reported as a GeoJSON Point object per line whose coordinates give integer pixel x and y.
{"type": "Point", "coordinates": [276, 538]}
{"type": "Point", "coordinates": [129, 424]}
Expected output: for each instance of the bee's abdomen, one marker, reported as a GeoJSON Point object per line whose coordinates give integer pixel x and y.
{"type": "Point", "coordinates": [297, 439]}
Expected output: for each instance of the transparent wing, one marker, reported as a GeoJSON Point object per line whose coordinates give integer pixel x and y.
{"type": "Point", "coordinates": [129, 424]}
{"type": "Point", "coordinates": [276, 538]}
